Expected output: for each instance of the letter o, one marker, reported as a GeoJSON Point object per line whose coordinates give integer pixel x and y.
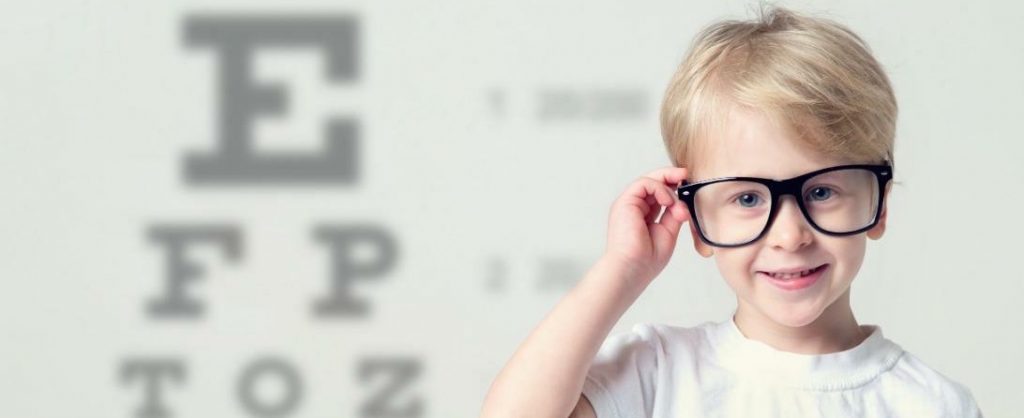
{"type": "Point", "coordinates": [270, 366]}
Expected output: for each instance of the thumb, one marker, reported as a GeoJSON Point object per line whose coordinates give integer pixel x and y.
{"type": "Point", "coordinates": [665, 232]}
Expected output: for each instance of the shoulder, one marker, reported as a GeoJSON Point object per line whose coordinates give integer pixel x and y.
{"type": "Point", "coordinates": [642, 339]}
{"type": "Point", "coordinates": [657, 339]}
{"type": "Point", "coordinates": [673, 342]}
{"type": "Point", "coordinates": [671, 336]}
{"type": "Point", "coordinates": [923, 385]}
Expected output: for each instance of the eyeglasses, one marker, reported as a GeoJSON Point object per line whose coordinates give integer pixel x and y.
{"type": "Point", "coordinates": [837, 201]}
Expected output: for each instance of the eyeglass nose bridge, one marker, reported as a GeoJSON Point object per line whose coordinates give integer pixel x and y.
{"type": "Point", "coordinates": [791, 186]}
{"type": "Point", "coordinates": [781, 188]}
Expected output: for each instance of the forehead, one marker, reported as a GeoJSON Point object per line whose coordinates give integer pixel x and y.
{"type": "Point", "coordinates": [747, 142]}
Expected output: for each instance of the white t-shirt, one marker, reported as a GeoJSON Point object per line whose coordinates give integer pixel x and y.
{"type": "Point", "coordinates": [713, 370]}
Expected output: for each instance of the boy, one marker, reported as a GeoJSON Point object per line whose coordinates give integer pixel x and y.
{"type": "Point", "coordinates": [781, 135]}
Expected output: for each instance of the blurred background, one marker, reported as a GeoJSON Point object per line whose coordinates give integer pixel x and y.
{"type": "Point", "coordinates": [360, 209]}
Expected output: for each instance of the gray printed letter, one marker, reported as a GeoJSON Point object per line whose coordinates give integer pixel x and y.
{"type": "Point", "coordinates": [179, 269]}
{"type": "Point", "coordinates": [288, 377]}
{"type": "Point", "coordinates": [241, 99]}
{"type": "Point", "coordinates": [152, 372]}
{"type": "Point", "coordinates": [399, 373]}
{"type": "Point", "coordinates": [346, 268]}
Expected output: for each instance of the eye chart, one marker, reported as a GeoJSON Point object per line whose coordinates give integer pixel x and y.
{"type": "Point", "coordinates": [308, 209]}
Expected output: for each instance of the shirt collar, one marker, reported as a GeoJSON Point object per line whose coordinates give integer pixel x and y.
{"type": "Point", "coordinates": [759, 361]}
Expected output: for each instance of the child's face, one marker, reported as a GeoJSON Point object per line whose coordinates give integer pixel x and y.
{"type": "Point", "coordinates": [750, 145]}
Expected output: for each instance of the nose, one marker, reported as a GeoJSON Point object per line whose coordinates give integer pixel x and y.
{"type": "Point", "coordinates": [789, 230]}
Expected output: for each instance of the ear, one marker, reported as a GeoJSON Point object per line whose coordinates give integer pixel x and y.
{"type": "Point", "coordinates": [876, 232]}
{"type": "Point", "coordinates": [702, 248]}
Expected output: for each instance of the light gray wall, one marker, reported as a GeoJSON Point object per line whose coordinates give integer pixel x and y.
{"type": "Point", "coordinates": [480, 191]}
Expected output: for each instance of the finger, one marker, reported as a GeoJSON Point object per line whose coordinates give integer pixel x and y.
{"type": "Point", "coordinates": [675, 216]}
{"type": "Point", "coordinates": [655, 215]}
{"type": "Point", "coordinates": [673, 213]}
{"type": "Point", "coordinates": [670, 176]}
{"type": "Point", "coordinates": [677, 212]}
{"type": "Point", "coordinates": [665, 234]}
{"type": "Point", "coordinates": [645, 187]}
{"type": "Point", "coordinates": [652, 202]}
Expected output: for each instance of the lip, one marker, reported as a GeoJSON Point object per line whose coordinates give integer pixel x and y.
{"type": "Point", "coordinates": [798, 283]}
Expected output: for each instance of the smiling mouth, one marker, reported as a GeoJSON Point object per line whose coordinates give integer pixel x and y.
{"type": "Point", "coordinates": [791, 276]}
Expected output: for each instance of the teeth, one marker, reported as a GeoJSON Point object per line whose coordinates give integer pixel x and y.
{"type": "Point", "coordinates": [789, 276]}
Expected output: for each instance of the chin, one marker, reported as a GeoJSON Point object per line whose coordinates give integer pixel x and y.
{"type": "Point", "coordinates": [795, 318]}
{"type": "Point", "coordinates": [793, 313]}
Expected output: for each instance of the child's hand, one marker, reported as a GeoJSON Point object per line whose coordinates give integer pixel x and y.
{"type": "Point", "coordinates": [642, 246]}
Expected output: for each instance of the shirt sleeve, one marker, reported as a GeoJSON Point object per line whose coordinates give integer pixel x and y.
{"type": "Point", "coordinates": [965, 405]}
{"type": "Point", "coordinates": [620, 381]}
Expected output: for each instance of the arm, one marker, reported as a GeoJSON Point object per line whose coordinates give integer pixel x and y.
{"type": "Point", "coordinates": [544, 378]}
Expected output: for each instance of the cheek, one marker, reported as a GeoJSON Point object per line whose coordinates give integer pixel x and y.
{"type": "Point", "coordinates": [849, 255]}
{"type": "Point", "coordinates": [847, 248]}
{"type": "Point", "coordinates": [735, 264]}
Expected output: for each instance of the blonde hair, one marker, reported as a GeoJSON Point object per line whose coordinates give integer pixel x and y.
{"type": "Point", "coordinates": [811, 73]}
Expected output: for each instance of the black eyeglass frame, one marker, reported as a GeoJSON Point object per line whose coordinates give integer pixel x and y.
{"type": "Point", "coordinates": [777, 189]}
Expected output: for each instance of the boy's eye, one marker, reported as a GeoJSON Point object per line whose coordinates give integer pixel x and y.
{"type": "Point", "coordinates": [819, 193]}
{"type": "Point", "coordinates": [748, 200]}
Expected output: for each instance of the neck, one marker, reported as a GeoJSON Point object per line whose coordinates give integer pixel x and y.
{"type": "Point", "coordinates": [834, 330]}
